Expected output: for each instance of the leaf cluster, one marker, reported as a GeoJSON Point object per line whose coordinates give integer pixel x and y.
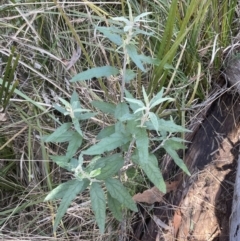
{"type": "Point", "coordinates": [126, 140]}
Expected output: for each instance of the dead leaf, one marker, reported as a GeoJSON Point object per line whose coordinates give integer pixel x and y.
{"type": "Point", "coordinates": [75, 56]}
{"type": "Point", "coordinates": [160, 223]}
{"type": "Point", "coordinates": [153, 195]}
{"type": "Point", "coordinates": [3, 117]}
{"type": "Point", "coordinates": [177, 218]}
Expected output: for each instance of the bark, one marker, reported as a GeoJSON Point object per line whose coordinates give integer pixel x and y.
{"type": "Point", "coordinates": [235, 216]}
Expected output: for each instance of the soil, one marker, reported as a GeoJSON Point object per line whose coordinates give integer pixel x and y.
{"type": "Point", "coordinates": [199, 208]}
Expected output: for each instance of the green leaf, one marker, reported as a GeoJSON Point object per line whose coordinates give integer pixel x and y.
{"type": "Point", "coordinates": [65, 103]}
{"type": "Point", "coordinates": [121, 110]}
{"type": "Point", "coordinates": [168, 126]}
{"type": "Point", "coordinates": [75, 104]}
{"type": "Point", "coordinates": [98, 72]}
{"type": "Point", "coordinates": [86, 116]}
{"type": "Point", "coordinates": [158, 99]}
{"type": "Point", "coordinates": [145, 96]}
{"type": "Point", "coordinates": [115, 38]}
{"type": "Point", "coordinates": [154, 120]}
{"type": "Point", "coordinates": [176, 143]}
{"type": "Point", "coordinates": [119, 192]}
{"type": "Point", "coordinates": [142, 143]}
{"type": "Point", "coordinates": [135, 101]}
{"type": "Point", "coordinates": [132, 127]}
{"type": "Point", "coordinates": [142, 15]}
{"type": "Point", "coordinates": [153, 172]}
{"type": "Point", "coordinates": [74, 98]}
{"type": "Point", "coordinates": [170, 146]}
{"type": "Point", "coordinates": [129, 75]}
{"type": "Point", "coordinates": [107, 108]}
{"type": "Point", "coordinates": [65, 137]}
{"type": "Point", "coordinates": [127, 117]}
{"type": "Point", "coordinates": [109, 166]}
{"type": "Point", "coordinates": [122, 19]}
{"type": "Point", "coordinates": [140, 109]}
{"type": "Point", "coordinates": [60, 190]}
{"type": "Point", "coordinates": [115, 207]}
{"type": "Point", "coordinates": [77, 126]}
{"type": "Point", "coordinates": [59, 108]}
{"type": "Point", "coordinates": [73, 164]}
{"type": "Point", "coordinates": [92, 164]}
{"type": "Point", "coordinates": [62, 161]}
{"type": "Point", "coordinates": [73, 145]}
{"type": "Point", "coordinates": [73, 190]}
{"type": "Point", "coordinates": [107, 131]}
{"type": "Point", "coordinates": [67, 191]}
{"type": "Point", "coordinates": [120, 128]}
{"type": "Point", "coordinates": [132, 52]}
{"type": "Point", "coordinates": [149, 60]}
{"type": "Point", "coordinates": [106, 144]}
{"type": "Point", "coordinates": [98, 205]}
{"type": "Point", "coordinates": [133, 106]}
{"type": "Point", "coordinates": [139, 31]}
{"type": "Point", "coordinates": [57, 135]}
{"type": "Point", "coordinates": [95, 172]}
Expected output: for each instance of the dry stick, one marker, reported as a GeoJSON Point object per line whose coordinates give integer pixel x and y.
{"type": "Point", "coordinates": [23, 129]}
{"type": "Point", "coordinates": [235, 216]}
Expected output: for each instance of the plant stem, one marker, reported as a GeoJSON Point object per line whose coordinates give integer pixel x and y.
{"type": "Point", "coordinates": [124, 74]}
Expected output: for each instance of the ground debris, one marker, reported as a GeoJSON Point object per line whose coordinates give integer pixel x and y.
{"type": "Point", "coordinates": [200, 207]}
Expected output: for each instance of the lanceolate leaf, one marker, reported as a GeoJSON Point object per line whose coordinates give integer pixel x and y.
{"type": "Point", "coordinates": [98, 205]}
{"type": "Point", "coordinates": [74, 144]}
{"type": "Point", "coordinates": [119, 192]}
{"type": "Point", "coordinates": [60, 190]}
{"type": "Point", "coordinates": [154, 120]}
{"type": "Point", "coordinates": [115, 207]}
{"type": "Point", "coordinates": [86, 116]}
{"type": "Point", "coordinates": [107, 131]}
{"type": "Point", "coordinates": [159, 101]}
{"type": "Point", "coordinates": [75, 103]}
{"type": "Point", "coordinates": [59, 108]}
{"type": "Point", "coordinates": [145, 96]}
{"type": "Point", "coordinates": [107, 108]}
{"type": "Point", "coordinates": [135, 101]}
{"type": "Point", "coordinates": [153, 172]}
{"type": "Point", "coordinates": [149, 60]}
{"type": "Point", "coordinates": [129, 75]}
{"type": "Point", "coordinates": [133, 106]}
{"type": "Point", "coordinates": [142, 143]}
{"type": "Point", "coordinates": [55, 136]}
{"type": "Point", "coordinates": [121, 110]}
{"type": "Point", "coordinates": [169, 147]}
{"type": "Point", "coordinates": [74, 98]}
{"type": "Point", "coordinates": [97, 72]}
{"type": "Point", "coordinates": [132, 52]}
{"type": "Point", "coordinates": [68, 192]}
{"type": "Point", "coordinates": [77, 126]}
{"type": "Point", "coordinates": [157, 97]}
{"type": "Point", "coordinates": [168, 126]}
{"type": "Point", "coordinates": [122, 19]}
{"type": "Point", "coordinates": [142, 15]}
{"type": "Point", "coordinates": [109, 166]}
{"type": "Point", "coordinates": [62, 161]}
{"type": "Point", "coordinates": [106, 144]}
{"type": "Point", "coordinates": [115, 38]}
